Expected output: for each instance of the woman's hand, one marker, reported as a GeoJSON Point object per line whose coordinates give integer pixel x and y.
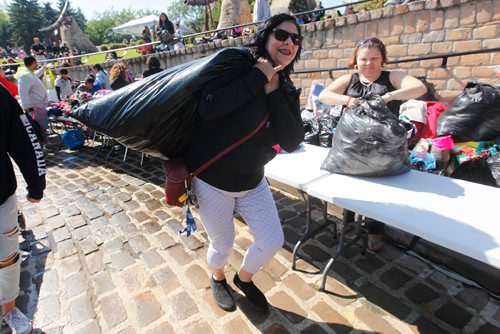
{"type": "Point", "coordinates": [272, 85]}
{"type": "Point", "coordinates": [267, 68]}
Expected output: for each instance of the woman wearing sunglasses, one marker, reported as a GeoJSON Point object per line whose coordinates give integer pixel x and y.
{"type": "Point", "coordinates": [368, 59]}
{"type": "Point", "coordinates": [231, 108]}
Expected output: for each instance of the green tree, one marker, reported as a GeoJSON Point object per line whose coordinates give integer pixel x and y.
{"type": "Point", "coordinates": [100, 30]}
{"type": "Point", "coordinates": [48, 13]}
{"type": "Point", "coordinates": [26, 19]}
{"type": "Point", "coordinates": [77, 13]}
{"type": "Point", "coordinates": [189, 16]}
{"type": "Point", "coordinates": [5, 29]}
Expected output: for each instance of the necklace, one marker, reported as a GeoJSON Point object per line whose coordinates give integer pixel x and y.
{"type": "Point", "coordinates": [366, 84]}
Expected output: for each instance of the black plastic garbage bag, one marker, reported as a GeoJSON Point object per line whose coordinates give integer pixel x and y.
{"type": "Point", "coordinates": [369, 140]}
{"type": "Point", "coordinates": [158, 115]}
{"type": "Point", "coordinates": [476, 171]}
{"type": "Point", "coordinates": [327, 124]}
{"type": "Point", "coordinates": [474, 115]}
{"type": "Point", "coordinates": [311, 127]}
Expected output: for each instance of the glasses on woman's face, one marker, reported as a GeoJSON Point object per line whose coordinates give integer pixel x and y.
{"type": "Point", "coordinates": [282, 35]}
{"type": "Point", "coordinates": [373, 40]}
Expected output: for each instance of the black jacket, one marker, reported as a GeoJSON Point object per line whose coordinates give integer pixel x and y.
{"type": "Point", "coordinates": [18, 140]}
{"type": "Point", "coordinates": [230, 109]}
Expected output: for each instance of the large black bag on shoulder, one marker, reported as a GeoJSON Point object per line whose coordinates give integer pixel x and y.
{"type": "Point", "coordinates": [473, 116]}
{"type": "Point", "coordinates": [157, 115]}
{"type": "Point", "coordinates": [369, 141]}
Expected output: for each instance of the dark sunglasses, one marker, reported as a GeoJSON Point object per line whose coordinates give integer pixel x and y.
{"type": "Point", "coordinates": [282, 35]}
{"type": "Point", "coordinates": [373, 40]}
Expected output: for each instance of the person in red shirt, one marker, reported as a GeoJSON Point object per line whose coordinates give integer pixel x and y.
{"type": "Point", "coordinates": [11, 87]}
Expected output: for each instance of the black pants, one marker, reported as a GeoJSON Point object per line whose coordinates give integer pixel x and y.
{"type": "Point", "coordinates": [373, 226]}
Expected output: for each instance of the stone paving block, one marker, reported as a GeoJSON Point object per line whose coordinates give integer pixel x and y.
{"type": "Point", "coordinates": [446, 283]}
{"type": "Point", "coordinates": [305, 266]}
{"type": "Point", "coordinates": [70, 210]}
{"type": "Point", "coordinates": [421, 294]}
{"type": "Point", "coordinates": [423, 325]}
{"type": "Point", "coordinates": [284, 304]}
{"type": "Point", "coordinates": [198, 327]}
{"type": "Point", "coordinates": [164, 328]}
{"type": "Point", "coordinates": [112, 310]}
{"type": "Point", "coordinates": [139, 243]}
{"type": "Point", "coordinates": [236, 325]}
{"type": "Point", "coordinates": [130, 206]}
{"type": "Point", "coordinates": [412, 264]}
{"type": "Point", "coordinates": [114, 245]}
{"type": "Point", "coordinates": [61, 234]}
{"type": "Point", "coordinates": [153, 204]}
{"type": "Point", "coordinates": [95, 262]}
{"type": "Point", "coordinates": [162, 215]}
{"type": "Point", "coordinates": [104, 234]}
{"type": "Point", "coordinates": [374, 321]}
{"type": "Point", "coordinates": [128, 229]}
{"type": "Point", "coordinates": [382, 299]}
{"type": "Point", "coordinates": [313, 329]}
{"type": "Point", "coordinates": [146, 308]}
{"type": "Point", "coordinates": [76, 221]}
{"type": "Point", "coordinates": [332, 318]}
{"type": "Point", "coordinates": [275, 269]}
{"type": "Point", "coordinates": [48, 310]}
{"type": "Point", "coordinates": [134, 278]}
{"type": "Point", "coordinates": [47, 281]}
{"type": "Point", "coordinates": [276, 329]}
{"type": "Point", "coordinates": [291, 236]}
{"type": "Point", "coordinates": [264, 281]}
{"type": "Point", "coordinates": [488, 329]}
{"type": "Point", "coordinates": [166, 279]}
{"type": "Point", "coordinates": [81, 233]}
{"type": "Point", "coordinates": [297, 222]}
{"type": "Point", "coordinates": [88, 246]}
{"type": "Point", "coordinates": [299, 287]}
{"type": "Point", "coordinates": [81, 309]}
{"type": "Point", "coordinates": [369, 264]}
{"type": "Point", "coordinates": [50, 212]}
{"type": "Point", "coordinates": [151, 227]}
{"type": "Point", "coordinates": [91, 211]}
{"type": "Point", "coordinates": [165, 240]}
{"type": "Point", "coordinates": [347, 273]}
{"type": "Point", "coordinates": [98, 223]}
{"type": "Point", "coordinates": [55, 222]}
{"type": "Point", "coordinates": [395, 278]}
{"type": "Point", "coordinates": [314, 252]}
{"type": "Point", "coordinates": [179, 255]}
{"type": "Point", "coordinates": [120, 218]}
{"type": "Point", "coordinates": [140, 216]}
{"type": "Point", "coordinates": [66, 248]}
{"type": "Point", "coordinates": [453, 315]}
{"type": "Point", "coordinates": [214, 310]}
{"type": "Point", "coordinates": [75, 284]}
{"type": "Point", "coordinates": [243, 242]}
{"type": "Point", "coordinates": [191, 242]}
{"type": "Point", "coordinates": [122, 197]}
{"type": "Point", "coordinates": [70, 265]}
{"type": "Point", "coordinates": [152, 259]}
{"type": "Point", "coordinates": [198, 276]}
{"type": "Point", "coordinates": [473, 297]}
{"type": "Point", "coordinates": [102, 282]}
{"type": "Point", "coordinates": [121, 260]}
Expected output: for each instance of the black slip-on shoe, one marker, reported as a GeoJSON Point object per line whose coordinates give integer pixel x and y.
{"type": "Point", "coordinates": [222, 295]}
{"type": "Point", "coordinates": [254, 295]}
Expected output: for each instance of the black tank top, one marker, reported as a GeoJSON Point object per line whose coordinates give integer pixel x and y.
{"type": "Point", "coordinates": [380, 86]}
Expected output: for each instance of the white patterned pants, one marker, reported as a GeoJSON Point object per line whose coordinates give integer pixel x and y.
{"type": "Point", "coordinates": [9, 246]}
{"type": "Point", "coordinates": [259, 211]}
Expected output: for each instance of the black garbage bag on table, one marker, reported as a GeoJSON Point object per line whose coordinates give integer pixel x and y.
{"type": "Point", "coordinates": [327, 124]}
{"type": "Point", "coordinates": [473, 116]}
{"type": "Point", "coordinates": [158, 115]}
{"type": "Point", "coordinates": [369, 141]}
{"type": "Point", "coordinates": [477, 171]}
{"type": "Point", "coordinates": [311, 127]}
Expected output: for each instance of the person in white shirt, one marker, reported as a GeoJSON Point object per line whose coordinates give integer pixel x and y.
{"type": "Point", "coordinates": [63, 85]}
{"type": "Point", "coordinates": [33, 94]}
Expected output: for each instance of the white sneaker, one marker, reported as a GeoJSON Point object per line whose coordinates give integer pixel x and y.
{"type": "Point", "coordinates": [18, 322]}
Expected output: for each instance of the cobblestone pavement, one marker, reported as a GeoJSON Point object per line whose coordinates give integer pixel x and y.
{"type": "Point", "coordinates": [105, 257]}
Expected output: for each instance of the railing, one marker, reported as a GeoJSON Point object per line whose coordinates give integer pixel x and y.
{"type": "Point", "coordinates": [87, 55]}
{"type": "Point", "coordinates": [443, 56]}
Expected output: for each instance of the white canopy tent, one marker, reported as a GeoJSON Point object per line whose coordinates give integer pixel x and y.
{"type": "Point", "coordinates": [135, 27]}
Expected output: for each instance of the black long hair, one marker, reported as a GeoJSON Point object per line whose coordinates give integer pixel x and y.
{"type": "Point", "coordinates": [264, 30]}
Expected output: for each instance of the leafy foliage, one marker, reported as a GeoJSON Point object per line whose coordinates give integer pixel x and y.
{"type": "Point", "coordinates": [5, 29]}
{"type": "Point", "coordinates": [25, 18]}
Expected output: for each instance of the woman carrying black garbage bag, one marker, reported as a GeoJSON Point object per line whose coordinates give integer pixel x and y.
{"type": "Point", "coordinates": [368, 58]}
{"type": "Point", "coordinates": [230, 108]}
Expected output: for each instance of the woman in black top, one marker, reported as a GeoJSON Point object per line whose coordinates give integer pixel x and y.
{"type": "Point", "coordinates": [368, 58]}
{"type": "Point", "coordinates": [231, 108]}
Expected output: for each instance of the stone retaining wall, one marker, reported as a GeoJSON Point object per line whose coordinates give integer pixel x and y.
{"type": "Point", "coordinates": [416, 29]}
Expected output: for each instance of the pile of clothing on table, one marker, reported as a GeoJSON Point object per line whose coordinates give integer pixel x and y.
{"type": "Point", "coordinates": [461, 140]}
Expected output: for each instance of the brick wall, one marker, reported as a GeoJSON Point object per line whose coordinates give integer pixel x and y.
{"type": "Point", "coordinates": [419, 28]}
